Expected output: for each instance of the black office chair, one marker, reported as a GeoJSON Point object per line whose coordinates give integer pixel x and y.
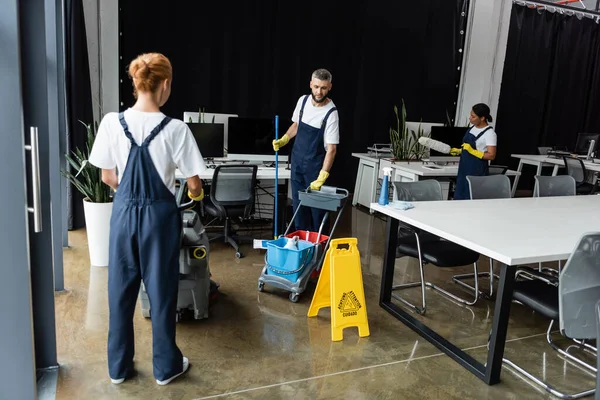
{"type": "Point", "coordinates": [571, 300]}
{"type": "Point", "coordinates": [429, 248]}
{"type": "Point", "coordinates": [576, 169]}
{"type": "Point", "coordinates": [231, 197]}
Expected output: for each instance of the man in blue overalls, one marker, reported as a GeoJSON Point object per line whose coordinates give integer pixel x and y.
{"type": "Point", "coordinates": [316, 129]}
{"type": "Point", "coordinates": [478, 148]}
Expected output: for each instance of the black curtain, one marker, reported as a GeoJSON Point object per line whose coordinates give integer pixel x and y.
{"type": "Point", "coordinates": [551, 83]}
{"type": "Point", "coordinates": [79, 94]}
{"type": "Point", "coordinates": [255, 59]}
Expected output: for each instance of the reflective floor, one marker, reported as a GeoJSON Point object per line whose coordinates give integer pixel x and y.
{"type": "Point", "coordinates": [260, 345]}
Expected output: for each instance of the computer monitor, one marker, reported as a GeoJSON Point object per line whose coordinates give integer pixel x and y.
{"type": "Point", "coordinates": [191, 116]}
{"type": "Point", "coordinates": [210, 139]}
{"type": "Point", "coordinates": [583, 142]}
{"type": "Point", "coordinates": [450, 135]}
{"type": "Point", "coordinates": [252, 139]}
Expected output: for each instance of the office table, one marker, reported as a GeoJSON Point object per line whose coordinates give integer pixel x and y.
{"type": "Point", "coordinates": [365, 188]}
{"type": "Point", "coordinates": [540, 161]}
{"type": "Point", "coordinates": [266, 173]}
{"type": "Point", "coordinates": [532, 224]}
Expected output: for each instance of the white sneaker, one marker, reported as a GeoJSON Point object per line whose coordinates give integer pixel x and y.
{"type": "Point", "coordinates": [186, 364]}
{"type": "Point", "coordinates": [117, 381]}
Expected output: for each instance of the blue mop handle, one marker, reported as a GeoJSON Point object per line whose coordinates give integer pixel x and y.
{"type": "Point", "coordinates": [276, 174]}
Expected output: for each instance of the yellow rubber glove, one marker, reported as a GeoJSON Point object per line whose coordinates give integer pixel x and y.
{"type": "Point", "coordinates": [277, 144]}
{"type": "Point", "coordinates": [472, 151]}
{"type": "Point", "coordinates": [198, 198]}
{"type": "Point", "coordinates": [316, 185]}
{"type": "Point", "coordinates": [455, 152]}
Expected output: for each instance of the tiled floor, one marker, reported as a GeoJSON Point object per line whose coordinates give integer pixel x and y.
{"type": "Point", "coordinates": [260, 345]}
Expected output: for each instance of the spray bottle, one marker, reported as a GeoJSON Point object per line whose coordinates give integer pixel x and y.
{"type": "Point", "coordinates": [384, 194]}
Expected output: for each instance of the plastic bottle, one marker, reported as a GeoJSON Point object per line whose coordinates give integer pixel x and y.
{"type": "Point", "coordinates": [384, 194]}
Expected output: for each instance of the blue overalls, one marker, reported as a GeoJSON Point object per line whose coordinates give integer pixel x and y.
{"type": "Point", "coordinates": [308, 155]}
{"type": "Point", "coordinates": [145, 231]}
{"type": "Point", "coordinates": [469, 165]}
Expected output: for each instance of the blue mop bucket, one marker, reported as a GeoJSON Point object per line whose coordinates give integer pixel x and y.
{"type": "Point", "coordinates": [288, 263]}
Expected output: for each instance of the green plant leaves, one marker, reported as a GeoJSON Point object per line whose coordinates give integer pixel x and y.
{"type": "Point", "coordinates": [87, 178]}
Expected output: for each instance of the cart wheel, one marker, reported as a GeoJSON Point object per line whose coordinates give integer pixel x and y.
{"type": "Point", "coordinates": [261, 286]}
{"type": "Point", "coordinates": [146, 313]}
{"type": "Point", "coordinates": [238, 254]}
{"type": "Point", "coordinates": [294, 297]}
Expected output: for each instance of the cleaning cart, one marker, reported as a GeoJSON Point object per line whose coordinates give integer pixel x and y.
{"type": "Point", "coordinates": [290, 267]}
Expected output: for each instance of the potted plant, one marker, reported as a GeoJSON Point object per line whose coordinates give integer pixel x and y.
{"type": "Point", "coordinates": [405, 144]}
{"type": "Point", "coordinates": [97, 202]}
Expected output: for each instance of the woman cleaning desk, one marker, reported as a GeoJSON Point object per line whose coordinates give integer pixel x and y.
{"type": "Point", "coordinates": [478, 148]}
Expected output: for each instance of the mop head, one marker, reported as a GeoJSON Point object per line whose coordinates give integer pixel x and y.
{"type": "Point", "coordinates": [434, 145]}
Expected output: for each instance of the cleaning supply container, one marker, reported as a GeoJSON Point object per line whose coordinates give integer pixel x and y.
{"type": "Point", "coordinates": [385, 187]}
{"type": "Point", "coordinates": [288, 263]}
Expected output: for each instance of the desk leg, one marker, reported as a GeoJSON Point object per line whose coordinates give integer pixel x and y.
{"type": "Point", "coordinates": [539, 169]}
{"type": "Point", "coordinates": [519, 169]}
{"type": "Point", "coordinates": [389, 261]}
{"type": "Point", "coordinates": [555, 170]}
{"type": "Point", "coordinates": [357, 185]}
{"type": "Point", "coordinates": [373, 188]}
{"type": "Point", "coordinates": [499, 325]}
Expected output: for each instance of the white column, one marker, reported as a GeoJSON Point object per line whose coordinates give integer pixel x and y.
{"type": "Point", "coordinates": [484, 54]}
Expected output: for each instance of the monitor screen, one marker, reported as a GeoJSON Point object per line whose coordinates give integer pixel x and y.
{"type": "Point", "coordinates": [254, 136]}
{"type": "Point", "coordinates": [583, 142]}
{"type": "Point", "coordinates": [210, 139]}
{"type": "Point", "coordinates": [452, 136]}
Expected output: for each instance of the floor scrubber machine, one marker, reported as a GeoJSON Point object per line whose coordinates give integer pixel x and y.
{"type": "Point", "coordinates": [195, 285]}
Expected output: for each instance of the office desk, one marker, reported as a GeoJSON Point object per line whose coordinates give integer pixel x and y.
{"type": "Point", "coordinates": [540, 161]}
{"type": "Point", "coordinates": [262, 173]}
{"type": "Point", "coordinates": [417, 170]}
{"type": "Point", "coordinates": [365, 188]}
{"type": "Point", "coordinates": [531, 223]}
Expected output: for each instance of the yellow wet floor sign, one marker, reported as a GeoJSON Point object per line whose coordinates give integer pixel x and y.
{"type": "Point", "coordinates": [340, 287]}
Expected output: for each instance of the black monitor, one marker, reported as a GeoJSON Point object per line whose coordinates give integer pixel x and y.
{"type": "Point", "coordinates": [252, 138]}
{"type": "Point", "coordinates": [450, 135]}
{"type": "Point", "coordinates": [210, 138]}
{"type": "Point", "coordinates": [583, 142]}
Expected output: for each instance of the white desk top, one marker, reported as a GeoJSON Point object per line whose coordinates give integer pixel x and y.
{"type": "Point", "coordinates": [511, 231]}
{"type": "Point", "coordinates": [592, 166]}
{"type": "Point", "coordinates": [262, 173]}
{"type": "Point", "coordinates": [420, 169]}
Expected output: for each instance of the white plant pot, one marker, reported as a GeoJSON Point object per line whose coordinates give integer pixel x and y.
{"type": "Point", "coordinates": [97, 222]}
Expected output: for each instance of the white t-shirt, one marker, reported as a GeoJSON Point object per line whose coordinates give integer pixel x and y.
{"type": "Point", "coordinates": [174, 147]}
{"type": "Point", "coordinates": [313, 116]}
{"type": "Point", "coordinates": [489, 138]}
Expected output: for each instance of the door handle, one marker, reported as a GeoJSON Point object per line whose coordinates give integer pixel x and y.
{"type": "Point", "coordinates": [36, 210]}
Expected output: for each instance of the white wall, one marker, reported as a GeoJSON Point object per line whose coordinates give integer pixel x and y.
{"type": "Point", "coordinates": [485, 50]}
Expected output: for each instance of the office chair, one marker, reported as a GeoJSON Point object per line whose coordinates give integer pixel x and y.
{"type": "Point", "coordinates": [429, 248]}
{"type": "Point", "coordinates": [231, 197]}
{"type": "Point", "coordinates": [576, 169]}
{"type": "Point", "coordinates": [497, 169]}
{"type": "Point", "coordinates": [571, 301]}
{"type": "Point", "coordinates": [561, 185]}
{"type": "Point", "coordinates": [545, 186]}
{"type": "Point", "coordinates": [544, 150]}
{"type": "Point", "coordinates": [489, 187]}
{"type": "Point", "coordinates": [485, 187]}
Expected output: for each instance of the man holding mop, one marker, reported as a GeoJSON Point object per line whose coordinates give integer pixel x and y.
{"type": "Point", "coordinates": [316, 129]}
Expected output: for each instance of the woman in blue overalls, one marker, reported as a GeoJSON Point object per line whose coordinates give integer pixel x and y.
{"type": "Point", "coordinates": [310, 161]}
{"type": "Point", "coordinates": [145, 147]}
{"type": "Point", "coordinates": [478, 148]}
